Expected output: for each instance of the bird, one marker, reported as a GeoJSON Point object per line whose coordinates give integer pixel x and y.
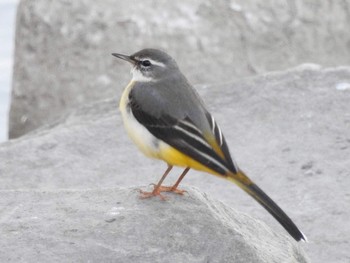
{"type": "Point", "coordinates": [166, 118]}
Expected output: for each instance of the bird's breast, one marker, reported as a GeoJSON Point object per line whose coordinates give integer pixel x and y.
{"type": "Point", "coordinates": [124, 100]}
{"type": "Point", "coordinates": [148, 143]}
{"type": "Point", "coordinates": [143, 139]}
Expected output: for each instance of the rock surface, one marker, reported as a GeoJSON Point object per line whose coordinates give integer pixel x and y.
{"type": "Point", "coordinates": [114, 225]}
{"type": "Point", "coordinates": [288, 130]}
{"type": "Point", "coordinates": [62, 56]}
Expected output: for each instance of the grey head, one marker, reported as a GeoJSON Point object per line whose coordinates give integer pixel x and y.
{"type": "Point", "coordinates": [150, 65]}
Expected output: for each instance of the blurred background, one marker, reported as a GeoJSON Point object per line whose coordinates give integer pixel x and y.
{"type": "Point", "coordinates": [62, 57]}
{"type": "Point", "coordinates": [7, 33]}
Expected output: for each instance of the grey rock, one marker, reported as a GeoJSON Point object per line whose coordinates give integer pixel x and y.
{"type": "Point", "coordinates": [62, 56]}
{"type": "Point", "coordinates": [76, 226]}
{"type": "Point", "coordinates": [274, 125]}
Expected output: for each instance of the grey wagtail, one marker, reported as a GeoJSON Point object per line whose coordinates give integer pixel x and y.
{"type": "Point", "coordinates": [167, 120]}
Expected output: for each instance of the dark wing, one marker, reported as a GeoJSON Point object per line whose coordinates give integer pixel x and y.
{"type": "Point", "coordinates": [180, 131]}
{"type": "Point", "coordinates": [218, 143]}
{"type": "Point", "coordinates": [181, 121]}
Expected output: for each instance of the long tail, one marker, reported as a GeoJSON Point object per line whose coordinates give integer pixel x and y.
{"type": "Point", "coordinates": [254, 191]}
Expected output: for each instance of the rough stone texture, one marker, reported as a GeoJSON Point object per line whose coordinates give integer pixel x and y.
{"type": "Point", "coordinates": [63, 48]}
{"type": "Point", "coordinates": [114, 225]}
{"type": "Point", "coordinates": [288, 130]}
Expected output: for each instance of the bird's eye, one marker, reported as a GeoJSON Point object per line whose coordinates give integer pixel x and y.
{"type": "Point", "coordinates": [146, 63]}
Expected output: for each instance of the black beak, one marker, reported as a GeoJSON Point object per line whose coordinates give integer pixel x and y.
{"type": "Point", "coordinates": [124, 57]}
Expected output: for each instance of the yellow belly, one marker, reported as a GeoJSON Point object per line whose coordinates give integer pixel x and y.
{"type": "Point", "coordinates": [149, 144]}
{"type": "Point", "coordinates": [177, 158]}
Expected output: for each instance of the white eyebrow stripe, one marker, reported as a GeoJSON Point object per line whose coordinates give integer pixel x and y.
{"type": "Point", "coordinates": [153, 62]}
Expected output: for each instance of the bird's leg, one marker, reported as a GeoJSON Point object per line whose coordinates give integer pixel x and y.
{"type": "Point", "coordinates": [174, 187]}
{"type": "Point", "coordinates": [156, 191]}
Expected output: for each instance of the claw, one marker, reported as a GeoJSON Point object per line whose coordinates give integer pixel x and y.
{"type": "Point", "coordinates": [159, 190]}
{"type": "Point", "coordinates": [171, 189]}
{"type": "Point", "coordinates": [145, 195]}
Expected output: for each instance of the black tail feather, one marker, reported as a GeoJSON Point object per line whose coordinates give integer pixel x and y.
{"type": "Point", "coordinates": [254, 191]}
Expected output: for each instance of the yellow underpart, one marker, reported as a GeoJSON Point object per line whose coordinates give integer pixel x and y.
{"type": "Point", "coordinates": [177, 158]}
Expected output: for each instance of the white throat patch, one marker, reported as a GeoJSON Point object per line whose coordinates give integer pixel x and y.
{"type": "Point", "coordinates": [138, 76]}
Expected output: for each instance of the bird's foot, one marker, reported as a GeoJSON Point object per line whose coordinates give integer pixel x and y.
{"type": "Point", "coordinates": [159, 190]}
{"type": "Point", "coordinates": [171, 189]}
{"type": "Point", "coordinates": [145, 195]}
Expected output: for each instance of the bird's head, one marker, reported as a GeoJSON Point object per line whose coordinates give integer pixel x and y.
{"type": "Point", "coordinates": [150, 64]}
